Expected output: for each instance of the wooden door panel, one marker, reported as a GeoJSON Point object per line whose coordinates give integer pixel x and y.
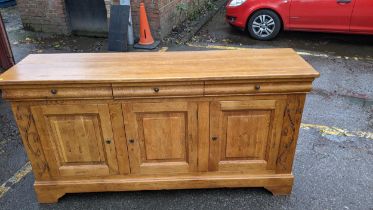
{"type": "Point", "coordinates": [162, 136]}
{"type": "Point", "coordinates": [78, 139]}
{"type": "Point", "coordinates": [244, 134]}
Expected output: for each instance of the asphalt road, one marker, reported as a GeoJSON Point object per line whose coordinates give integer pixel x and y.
{"type": "Point", "coordinates": [334, 158]}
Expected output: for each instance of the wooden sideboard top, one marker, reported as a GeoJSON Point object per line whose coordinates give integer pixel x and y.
{"type": "Point", "coordinates": [159, 66]}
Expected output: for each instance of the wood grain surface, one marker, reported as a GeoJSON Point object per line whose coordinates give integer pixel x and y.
{"type": "Point", "coordinates": [158, 66]}
{"type": "Point", "coordinates": [151, 121]}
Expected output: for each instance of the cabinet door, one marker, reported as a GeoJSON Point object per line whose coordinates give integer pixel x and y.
{"type": "Point", "coordinates": [245, 135]}
{"type": "Point", "coordinates": [161, 137]}
{"type": "Point", "coordinates": [77, 139]}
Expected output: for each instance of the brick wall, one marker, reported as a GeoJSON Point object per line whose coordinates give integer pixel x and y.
{"type": "Point", "coordinates": [44, 15]}
{"type": "Point", "coordinates": [163, 15]}
{"type": "Point", "coordinates": [50, 15]}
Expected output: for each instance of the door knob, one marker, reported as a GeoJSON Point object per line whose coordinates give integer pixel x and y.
{"type": "Point", "coordinates": [108, 141]}
{"type": "Point", "coordinates": [214, 138]}
{"type": "Point", "coordinates": [54, 91]}
{"type": "Point", "coordinates": [131, 141]}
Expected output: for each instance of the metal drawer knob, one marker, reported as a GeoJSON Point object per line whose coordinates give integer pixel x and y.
{"type": "Point", "coordinates": [131, 141]}
{"type": "Point", "coordinates": [156, 90]}
{"type": "Point", "coordinates": [214, 138]}
{"type": "Point", "coordinates": [54, 91]}
{"type": "Point", "coordinates": [108, 141]}
{"type": "Point", "coordinates": [257, 87]}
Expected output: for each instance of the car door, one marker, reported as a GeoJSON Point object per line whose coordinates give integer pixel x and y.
{"type": "Point", "coordinates": [362, 17]}
{"type": "Point", "coordinates": [321, 15]}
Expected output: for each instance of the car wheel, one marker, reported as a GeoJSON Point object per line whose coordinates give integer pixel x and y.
{"type": "Point", "coordinates": [264, 25]}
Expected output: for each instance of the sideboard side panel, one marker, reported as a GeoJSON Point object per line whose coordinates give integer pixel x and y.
{"type": "Point", "coordinates": [290, 131]}
{"type": "Point", "coordinates": [31, 141]}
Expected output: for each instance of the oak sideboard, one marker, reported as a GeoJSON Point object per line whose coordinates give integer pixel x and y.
{"type": "Point", "coordinates": [159, 120]}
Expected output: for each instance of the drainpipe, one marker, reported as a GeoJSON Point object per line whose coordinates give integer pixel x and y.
{"type": "Point", "coordinates": [130, 28]}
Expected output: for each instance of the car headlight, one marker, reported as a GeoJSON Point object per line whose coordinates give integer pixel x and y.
{"type": "Point", "coordinates": [235, 3]}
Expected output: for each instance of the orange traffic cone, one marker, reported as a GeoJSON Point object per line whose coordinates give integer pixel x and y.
{"type": "Point", "coordinates": [146, 38]}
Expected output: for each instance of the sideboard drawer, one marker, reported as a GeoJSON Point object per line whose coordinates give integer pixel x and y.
{"type": "Point", "coordinates": [103, 92]}
{"type": "Point", "coordinates": [256, 88]}
{"type": "Point", "coordinates": [158, 90]}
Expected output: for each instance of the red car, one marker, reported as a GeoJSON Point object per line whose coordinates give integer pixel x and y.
{"type": "Point", "coordinates": [265, 18]}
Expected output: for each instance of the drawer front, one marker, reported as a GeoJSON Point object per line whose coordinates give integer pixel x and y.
{"type": "Point", "coordinates": [256, 88]}
{"type": "Point", "coordinates": [58, 92]}
{"type": "Point", "coordinates": [158, 91]}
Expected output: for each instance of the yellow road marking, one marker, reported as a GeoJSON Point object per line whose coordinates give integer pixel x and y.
{"type": "Point", "coordinates": [334, 131]}
{"type": "Point", "coordinates": [223, 47]}
{"type": "Point", "coordinates": [219, 47]}
{"type": "Point", "coordinates": [5, 187]}
{"type": "Point", "coordinates": [163, 49]}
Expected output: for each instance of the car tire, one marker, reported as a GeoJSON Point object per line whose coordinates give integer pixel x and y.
{"type": "Point", "coordinates": [264, 25]}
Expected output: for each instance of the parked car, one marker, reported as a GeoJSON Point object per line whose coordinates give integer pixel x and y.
{"type": "Point", "coordinates": [264, 19]}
